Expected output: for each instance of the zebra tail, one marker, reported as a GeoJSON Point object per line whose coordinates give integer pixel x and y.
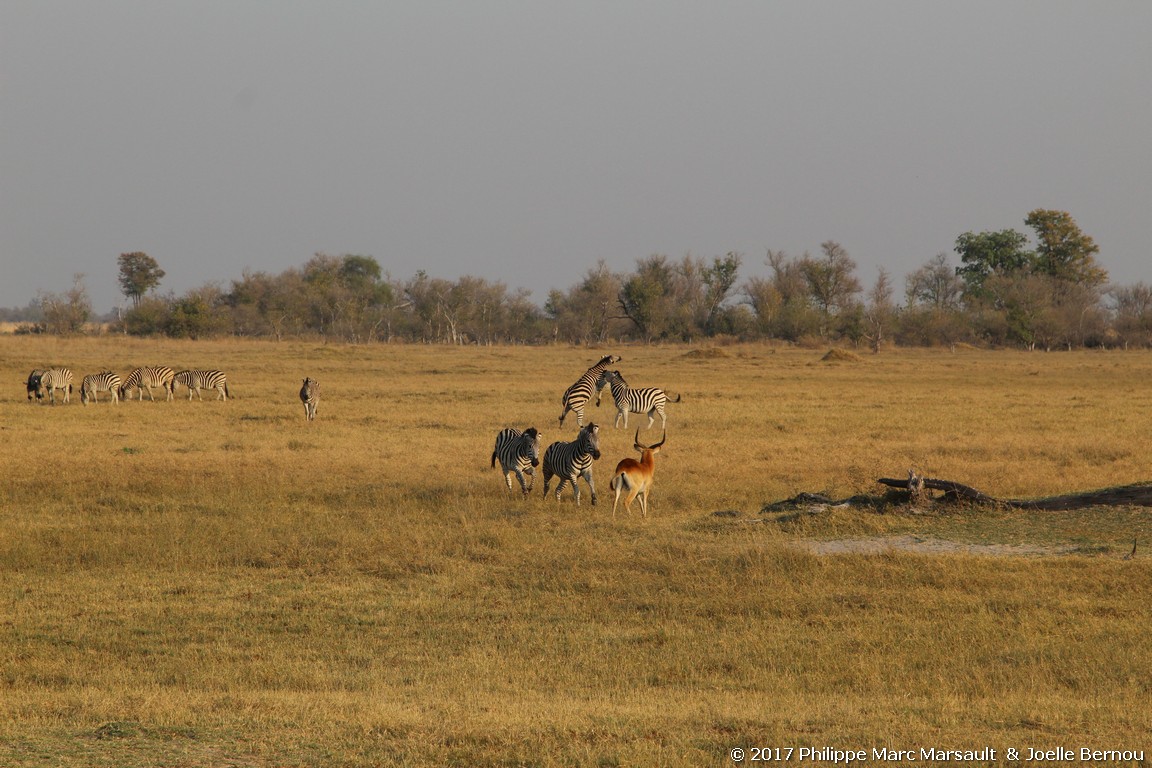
{"type": "Point", "coordinates": [676, 400]}
{"type": "Point", "coordinates": [229, 394]}
{"type": "Point", "coordinates": [493, 459]}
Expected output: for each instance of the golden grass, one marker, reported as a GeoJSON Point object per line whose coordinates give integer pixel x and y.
{"type": "Point", "coordinates": [202, 584]}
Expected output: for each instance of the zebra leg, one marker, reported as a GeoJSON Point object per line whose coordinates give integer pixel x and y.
{"type": "Point", "coordinates": [652, 416]}
{"type": "Point", "coordinates": [587, 474]}
{"type": "Point", "coordinates": [575, 489]}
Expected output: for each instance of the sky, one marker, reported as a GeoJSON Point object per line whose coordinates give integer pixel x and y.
{"type": "Point", "coordinates": [522, 141]}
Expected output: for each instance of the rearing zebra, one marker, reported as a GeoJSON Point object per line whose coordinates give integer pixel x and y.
{"type": "Point", "coordinates": [571, 461]}
{"type": "Point", "coordinates": [146, 378]}
{"type": "Point", "coordinates": [648, 400]}
{"type": "Point", "coordinates": [197, 380]}
{"type": "Point", "coordinates": [52, 380]}
{"type": "Point", "coordinates": [105, 381]}
{"type": "Point", "coordinates": [518, 453]}
{"type": "Point", "coordinates": [310, 395]}
{"type": "Point", "coordinates": [577, 395]}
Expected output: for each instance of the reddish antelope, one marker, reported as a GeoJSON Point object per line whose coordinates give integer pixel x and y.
{"type": "Point", "coordinates": [636, 476]}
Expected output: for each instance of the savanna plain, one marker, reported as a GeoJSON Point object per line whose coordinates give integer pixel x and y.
{"type": "Point", "coordinates": [226, 584]}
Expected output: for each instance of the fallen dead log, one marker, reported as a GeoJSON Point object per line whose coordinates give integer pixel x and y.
{"type": "Point", "coordinates": [1135, 495]}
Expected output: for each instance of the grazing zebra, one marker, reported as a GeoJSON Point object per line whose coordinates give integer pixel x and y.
{"type": "Point", "coordinates": [571, 461]}
{"type": "Point", "coordinates": [105, 381]}
{"type": "Point", "coordinates": [52, 380]}
{"type": "Point", "coordinates": [146, 378]}
{"type": "Point", "coordinates": [34, 383]}
{"type": "Point", "coordinates": [310, 395]}
{"type": "Point", "coordinates": [577, 395]}
{"type": "Point", "coordinates": [518, 452]}
{"type": "Point", "coordinates": [648, 400]}
{"type": "Point", "coordinates": [197, 380]}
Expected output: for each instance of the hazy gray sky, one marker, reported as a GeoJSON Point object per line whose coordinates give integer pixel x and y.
{"type": "Point", "coordinates": [523, 141]}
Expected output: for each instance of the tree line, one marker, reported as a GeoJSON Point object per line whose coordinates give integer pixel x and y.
{"type": "Point", "coordinates": [1003, 292]}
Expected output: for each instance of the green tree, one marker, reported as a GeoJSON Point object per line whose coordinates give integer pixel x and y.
{"type": "Point", "coordinates": [646, 297]}
{"type": "Point", "coordinates": [1063, 251]}
{"type": "Point", "coordinates": [989, 254]}
{"type": "Point", "coordinates": [200, 313]}
{"type": "Point", "coordinates": [832, 281]}
{"type": "Point", "coordinates": [719, 279]}
{"type": "Point", "coordinates": [139, 273]}
{"type": "Point", "coordinates": [781, 302]}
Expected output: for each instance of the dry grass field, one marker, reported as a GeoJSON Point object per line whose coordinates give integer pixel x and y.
{"type": "Point", "coordinates": [226, 584]}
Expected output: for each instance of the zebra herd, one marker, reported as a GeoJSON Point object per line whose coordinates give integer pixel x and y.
{"type": "Point", "coordinates": [518, 451]}
{"type": "Point", "coordinates": [43, 382]}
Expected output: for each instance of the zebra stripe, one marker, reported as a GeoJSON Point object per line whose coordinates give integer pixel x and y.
{"type": "Point", "coordinates": [518, 452]}
{"type": "Point", "coordinates": [54, 379]}
{"type": "Point", "coordinates": [310, 395]}
{"type": "Point", "coordinates": [197, 380]}
{"type": "Point", "coordinates": [146, 378]}
{"type": "Point", "coordinates": [105, 381]}
{"type": "Point", "coordinates": [34, 383]}
{"type": "Point", "coordinates": [571, 461]}
{"type": "Point", "coordinates": [648, 400]}
{"type": "Point", "coordinates": [577, 395]}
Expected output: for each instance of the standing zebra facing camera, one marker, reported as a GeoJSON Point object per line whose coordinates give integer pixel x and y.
{"type": "Point", "coordinates": [33, 384]}
{"type": "Point", "coordinates": [197, 380]}
{"type": "Point", "coordinates": [571, 461]}
{"type": "Point", "coordinates": [518, 452]}
{"type": "Point", "coordinates": [310, 396]}
{"type": "Point", "coordinates": [105, 381]}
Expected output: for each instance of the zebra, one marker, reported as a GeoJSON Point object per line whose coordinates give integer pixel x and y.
{"type": "Point", "coordinates": [577, 395]}
{"type": "Point", "coordinates": [648, 400]}
{"type": "Point", "coordinates": [571, 461]}
{"type": "Point", "coordinates": [197, 380]}
{"type": "Point", "coordinates": [518, 452]}
{"type": "Point", "coordinates": [146, 378]}
{"type": "Point", "coordinates": [310, 395]}
{"type": "Point", "coordinates": [105, 381]}
{"type": "Point", "coordinates": [34, 383]}
{"type": "Point", "coordinates": [52, 380]}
